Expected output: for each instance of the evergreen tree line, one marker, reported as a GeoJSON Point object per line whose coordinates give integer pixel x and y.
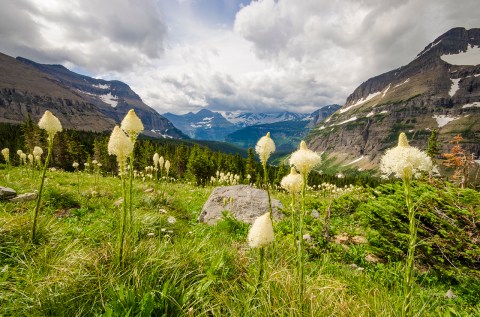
{"type": "Point", "coordinates": [189, 160]}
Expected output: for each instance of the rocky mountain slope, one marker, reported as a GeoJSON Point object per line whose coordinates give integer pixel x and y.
{"type": "Point", "coordinates": [80, 102]}
{"type": "Point", "coordinates": [439, 89]}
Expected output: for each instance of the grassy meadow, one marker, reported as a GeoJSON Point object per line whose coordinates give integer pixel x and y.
{"type": "Point", "coordinates": [174, 266]}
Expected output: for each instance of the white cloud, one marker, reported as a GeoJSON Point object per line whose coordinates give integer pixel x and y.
{"type": "Point", "coordinates": [181, 55]}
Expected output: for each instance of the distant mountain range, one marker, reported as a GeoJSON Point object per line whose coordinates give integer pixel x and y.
{"type": "Point", "coordinates": [80, 102]}
{"type": "Point", "coordinates": [439, 89]}
{"type": "Point", "coordinates": [245, 128]}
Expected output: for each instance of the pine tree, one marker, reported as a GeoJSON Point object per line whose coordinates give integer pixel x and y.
{"type": "Point", "coordinates": [432, 147]}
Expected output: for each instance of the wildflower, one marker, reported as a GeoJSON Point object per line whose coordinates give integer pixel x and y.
{"type": "Point", "coordinates": [293, 182]}
{"type": "Point", "coordinates": [261, 232]}
{"type": "Point", "coordinates": [167, 166]}
{"type": "Point", "coordinates": [156, 158]}
{"type": "Point", "coordinates": [120, 146]}
{"type": "Point", "coordinates": [305, 159]}
{"type": "Point", "coordinates": [30, 158]}
{"type": "Point", "coordinates": [37, 151]}
{"type": "Point", "coordinates": [171, 220]}
{"type": "Point", "coordinates": [6, 154]}
{"type": "Point", "coordinates": [132, 125]}
{"type": "Point", "coordinates": [405, 161]}
{"type": "Point", "coordinates": [75, 165]}
{"type": "Point", "coordinates": [265, 146]}
{"type": "Point", "coordinates": [19, 152]}
{"type": "Point", "coordinates": [94, 162]}
{"type": "Point", "coordinates": [50, 123]}
{"type": "Point", "coordinates": [23, 158]}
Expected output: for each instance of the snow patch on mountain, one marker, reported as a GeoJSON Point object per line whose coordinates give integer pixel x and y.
{"type": "Point", "coordinates": [454, 87]}
{"type": "Point", "coordinates": [470, 105]}
{"type": "Point", "coordinates": [101, 86]}
{"type": "Point", "coordinates": [109, 99]}
{"type": "Point", "coordinates": [443, 120]}
{"type": "Point", "coordinates": [470, 57]}
{"type": "Point", "coordinates": [361, 101]}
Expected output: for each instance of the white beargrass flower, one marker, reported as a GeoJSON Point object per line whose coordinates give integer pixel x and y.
{"type": "Point", "coordinates": [6, 154]}
{"type": "Point", "coordinates": [293, 182]}
{"type": "Point", "coordinates": [120, 146]}
{"type": "Point", "coordinates": [265, 146]}
{"type": "Point", "coordinates": [23, 158]}
{"type": "Point", "coordinates": [30, 158]}
{"type": "Point", "coordinates": [167, 166]}
{"type": "Point", "coordinates": [405, 161]}
{"type": "Point", "coordinates": [19, 152]}
{"type": "Point", "coordinates": [304, 159]}
{"type": "Point", "coordinates": [261, 232]}
{"type": "Point", "coordinates": [156, 158]}
{"type": "Point", "coordinates": [50, 123]}
{"type": "Point", "coordinates": [132, 125]}
{"type": "Point", "coordinates": [75, 164]}
{"type": "Point", "coordinates": [37, 151]}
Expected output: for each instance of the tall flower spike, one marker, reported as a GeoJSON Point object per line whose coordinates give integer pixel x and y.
{"type": "Point", "coordinates": [50, 123]}
{"type": "Point", "coordinates": [405, 161]}
{"type": "Point", "coordinates": [6, 154]}
{"type": "Point", "coordinates": [119, 145]}
{"type": "Point", "coordinates": [132, 125]}
{"type": "Point", "coordinates": [261, 232]}
{"type": "Point", "coordinates": [156, 158]}
{"type": "Point", "coordinates": [293, 182]}
{"type": "Point", "coordinates": [265, 147]}
{"type": "Point", "coordinates": [167, 166]}
{"type": "Point", "coordinates": [304, 159]}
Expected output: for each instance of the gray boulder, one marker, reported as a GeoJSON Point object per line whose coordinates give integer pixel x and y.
{"type": "Point", "coordinates": [242, 201]}
{"type": "Point", "coordinates": [7, 193]}
{"type": "Point", "coordinates": [24, 197]}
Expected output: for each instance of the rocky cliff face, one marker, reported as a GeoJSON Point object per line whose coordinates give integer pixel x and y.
{"type": "Point", "coordinates": [439, 89]}
{"type": "Point", "coordinates": [80, 102]}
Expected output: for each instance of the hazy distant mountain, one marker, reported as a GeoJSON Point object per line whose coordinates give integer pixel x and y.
{"type": "Point", "coordinates": [246, 119]}
{"type": "Point", "coordinates": [80, 102]}
{"type": "Point", "coordinates": [439, 89]}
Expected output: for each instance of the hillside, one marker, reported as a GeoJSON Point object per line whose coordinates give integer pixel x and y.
{"type": "Point", "coordinates": [439, 89]}
{"type": "Point", "coordinates": [81, 102]}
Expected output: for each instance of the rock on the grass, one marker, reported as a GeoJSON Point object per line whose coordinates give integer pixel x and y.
{"type": "Point", "coordinates": [242, 201]}
{"type": "Point", "coordinates": [24, 197]}
{"type": "Point", "coordinates": [7, 193]}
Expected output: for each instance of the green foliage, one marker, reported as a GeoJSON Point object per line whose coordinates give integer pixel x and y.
{"type": "Point", "coordinates": [447, 227]}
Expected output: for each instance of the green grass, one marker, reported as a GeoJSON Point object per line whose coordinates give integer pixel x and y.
{"type": "Point", "coordinates": [191, 269]}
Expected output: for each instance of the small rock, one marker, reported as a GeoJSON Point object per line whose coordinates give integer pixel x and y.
{"type": "Point", "coordinates": [171, 220]}
{"type": "Point", "coordinates": [450, 294]}
{"type": "Point", "coordinates": [24, 197]}
{"type": "Point", "coordinates": [340, 238]}
{"type": "Point", "coordinates": [7, 193]}
{"type": "Point", "coordinates": [372, 258]}
{"type": "Point", "coordinates": [315, 214]}
{"type": "Point", "coordinates": [359, 240]}
{"type": "Point", "coordinates": [148, 190]}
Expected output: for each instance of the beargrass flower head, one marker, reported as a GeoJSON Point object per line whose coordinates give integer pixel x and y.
{"type": "Point", "coordinates": [30, 158]}
{"type": "Point", "coordinates": [50, 123]}
{"type": "Point", "coordinates": [37, 151]}
{"type": "Point", "coordinates": [167, 166]}
{"type": "Point", "coordinates": [293, 182]}
{"type": "Point", "coordinates": [119, 145]}
{"type": "Point", "coordinates": [23, 157]}
{"type": "Point", "coordinates": [6, 154]}
{"type": "Point", "coordinates": [405, 161]}
{"type": "Point", "coordinates": [75, 164]}
{"type": "Point", "coordinates": [304, 159]}
{"type": "Point", "coordinates": [156, 159]}
{"type": "Point", "coordinates": [261, 232]}
{"type": "Point", "coordinates": [19, 152]}
{"type": "Point", "coordinates": [265, 147]}
{"type": "Point", "coordinates": [132, 125]}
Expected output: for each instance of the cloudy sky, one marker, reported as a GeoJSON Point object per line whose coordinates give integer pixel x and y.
{"type": "Point", "coordinates": [184, 55]}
